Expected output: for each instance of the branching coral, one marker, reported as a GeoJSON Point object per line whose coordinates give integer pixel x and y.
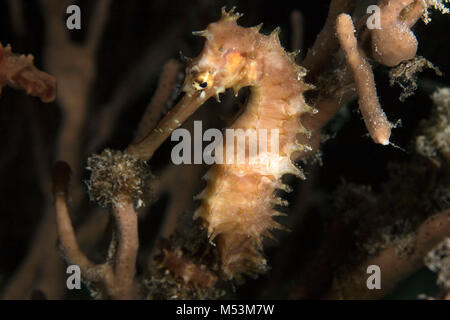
{"type": "Point", "coordinates": [115, 278]}
{"type": "Point", "coordinates": [42, 266]}
{"type": "Point", "coordinates": [393, 229]}
{"type": "Point", "coordinates": [395, 267]}
{"type": "Point", "coordinates": [18, 71]}
{"type": "Point", "coordinates": [375, 119]}
{"type": "Point", "coordinates": [394, 42]}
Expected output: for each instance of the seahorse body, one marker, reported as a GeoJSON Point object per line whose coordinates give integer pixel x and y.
{"type": "Point", "coordinates": [237, 204]}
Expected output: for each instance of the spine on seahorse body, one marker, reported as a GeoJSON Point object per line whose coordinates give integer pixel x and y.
{"type": "Point", "coordinates": [237, 205]}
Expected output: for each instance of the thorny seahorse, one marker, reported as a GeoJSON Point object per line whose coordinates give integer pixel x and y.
{"type": "Point", "coordinates": [237, 205]}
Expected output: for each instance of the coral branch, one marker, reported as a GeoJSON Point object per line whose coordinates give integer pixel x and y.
{"type": "Point", "coordinates": [394, 268]}
{"type": "Point", "coordinates": [128, 244]}
{"type": "Point", "coordinates": [140, 77]}
{"type": "Point", "coordinates": [298, 27]}
{"type": "Point", "coordinates": [394, 41]}
{"type": "Point", "coordinates": [72, 252]}
{"type": "Point", "coordinates": [155, 109]}
{"type": "Point", "coordinates": [18, 71]}
{"type": "Point", "coordinates": [97, 24]}
{"type": "Point", "coordinates": [413, 12]}
{"type": "Point", "coordinates": [117, 280]}
{"type": "Point", "coordinates": [374, 117]}
{"type": "Point", "coordinates": [74, 66]}
{"type": "Point", "coordinates": [326, 43]}
{"type": "Point", "coordinates": [184, 109]}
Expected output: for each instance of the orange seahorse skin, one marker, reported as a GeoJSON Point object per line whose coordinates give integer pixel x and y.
{"type": "Point", "coordinates": [237, 204]}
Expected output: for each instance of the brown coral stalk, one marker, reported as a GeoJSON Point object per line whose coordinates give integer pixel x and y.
{"type": "Point", "coordinates": [128, 244]}
{"type": "Point", "coordinates": [394, 41]}
{"type": "Point", "coordinates": [145, 148]}
{"type": "Point", "coordinates": [64, 225]}
{"type": "Point", "coordinates": [326, 43]}
{"type": "Point", "coordinates": [18, 71]}
{"type": "Point", "coordinates": [115, 279]}
{"type": "Point", "coordinates": [394, 268]}
{"type": "Point", "coordinates": [374, 117]}
{"type": "Point", "coordinates": [155, 109]}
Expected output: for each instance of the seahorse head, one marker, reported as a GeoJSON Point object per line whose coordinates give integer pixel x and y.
{"type": "Point", "coordinates": [229, 58]}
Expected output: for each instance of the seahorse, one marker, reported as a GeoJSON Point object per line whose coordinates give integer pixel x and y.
{"type": "Point", "coordinates": [237, 205]}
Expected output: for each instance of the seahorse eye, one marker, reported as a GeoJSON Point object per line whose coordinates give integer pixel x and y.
{"type": "Point", "coordinates": [203, 81]}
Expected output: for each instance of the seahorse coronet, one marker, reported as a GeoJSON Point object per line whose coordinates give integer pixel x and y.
{"type": "Point", "coordinates": [238, 205]}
